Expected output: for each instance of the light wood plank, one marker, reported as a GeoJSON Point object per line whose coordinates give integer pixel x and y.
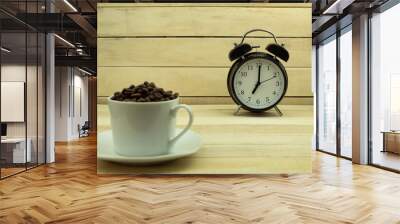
{"type": "Point", "coordinates": [246, 144]}
{"type": "Point", "coordinates": [188, 81]}
{"type": "Point", "coordinates": [221, 115]}
{"type": "Point", "coordinates": [70, 191]}
{"type": "Point", "coordinates": [274, 165]}
{"type": "Point", "coordinates": [199, 100]}
{"type": "Point", "coordinates": [150, 51]}
{"type": "Point", "coordinates": [207, 20]}
{"type": "Point", "coordinates": [190, 51]}
{"type": "Point", "coordinates": [288, 100]}
{"type": "Point", "coordinates": [177, 4]}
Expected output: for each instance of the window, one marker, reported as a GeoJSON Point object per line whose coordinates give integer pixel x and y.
{"type": "Point", "coordinates": [22, 77]}
{"type": "Point", "coordinates": [385, 89]}
{"type": "Point", "coordinates": [326, 88]}
{"type": "Point", "coordinates": [346, 92]}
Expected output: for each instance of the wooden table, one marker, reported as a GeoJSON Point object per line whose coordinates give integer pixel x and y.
{"type": "Point", "coordinates": [244, 144]}
{"type": "Point", "coordinates": [391, 141]}
{"type": "Point", "coordinates": [17, 153]}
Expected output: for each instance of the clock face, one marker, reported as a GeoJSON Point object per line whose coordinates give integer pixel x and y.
{"type": "Point", "coordinates": [259, 83]}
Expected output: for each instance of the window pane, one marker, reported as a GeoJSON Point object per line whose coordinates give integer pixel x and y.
{"type": "Point", "coordinates": [22, 86]}
{"type": "Point", "coordinates": [386, 89]}
{"type": "Point", "coordinates": [346, 93]}
{"type": "Point", "coordinates": [41, 97]}
{"type": "Point", "coordinates": [31, 97]}
{"type": "Point", "coordinates": [14, 153]}
{"type": "Point", "coordinates": [327, 96]}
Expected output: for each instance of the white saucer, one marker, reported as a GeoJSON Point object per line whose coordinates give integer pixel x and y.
{"type": "Point", "coordinates": [187, 145]}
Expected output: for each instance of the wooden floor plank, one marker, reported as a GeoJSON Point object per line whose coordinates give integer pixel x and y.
{"type": "Point", "coordinates": [70, 191]}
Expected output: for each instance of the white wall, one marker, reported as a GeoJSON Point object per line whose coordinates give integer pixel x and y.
{"type": "Point", "coordinates": [70, 83]}
{"type": "Point", "coordinates": [80, 109]}
{"type": "Point", "coordinates": [82, 82]}
{"type": "Point", "coordinates": [12, 101]}
{"type": "Point", "coordinates": [62, 82]}
{"type": "Point", "coordinates": [15, 73]}
{"type": "Point", "coordinates": [9, 73]}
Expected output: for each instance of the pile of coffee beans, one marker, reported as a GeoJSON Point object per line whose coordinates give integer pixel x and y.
{"type": "Point", "coordinates": [145, 92]}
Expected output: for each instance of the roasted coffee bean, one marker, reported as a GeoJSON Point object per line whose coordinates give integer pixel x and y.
{"type": "Point", "coordinates": [158, 95]}
{"type": "Point", "coordinates": [145, 92]}
{"type": "Point", "coordinates": [135, 95]}
{"type": "Point", "coordinates": [126, 91]}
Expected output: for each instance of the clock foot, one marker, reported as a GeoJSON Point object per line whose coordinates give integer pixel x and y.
{"type": "Point", "coordinates": [237, 110]}
{"type": "Point", "coordinates": [275, 107]}
{"type": "Point", "coordinates": [278, 111]}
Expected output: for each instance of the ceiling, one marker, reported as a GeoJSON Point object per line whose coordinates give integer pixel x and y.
{"type": "Point", "coordinates": [76, 21]}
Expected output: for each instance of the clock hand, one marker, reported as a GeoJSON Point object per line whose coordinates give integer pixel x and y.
{"type": "Point", "coordinates": [255, 88]}
{"type": "Point", "coordinates": [259, 83]}
{"type": "Point", "coordinates": [258, 80]}
{"type": "Point", "coordinates": [268, 79]}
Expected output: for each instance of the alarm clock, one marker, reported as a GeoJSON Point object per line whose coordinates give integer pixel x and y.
{"type": "Point", "coordinates": [257, 81]}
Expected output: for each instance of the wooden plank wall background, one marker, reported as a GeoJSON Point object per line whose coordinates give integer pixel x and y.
{"type": "Point", "coordinates": [184, 47]}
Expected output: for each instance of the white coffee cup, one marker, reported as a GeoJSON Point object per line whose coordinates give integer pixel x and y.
{"type": "Point", "coordinates": [145, 128]}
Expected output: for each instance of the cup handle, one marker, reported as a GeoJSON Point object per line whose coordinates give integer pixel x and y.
{"type": "Point", "coordinates": [189, 110]}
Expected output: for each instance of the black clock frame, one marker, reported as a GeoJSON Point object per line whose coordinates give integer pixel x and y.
{"type": "Point", "coordinates": [238, 63]}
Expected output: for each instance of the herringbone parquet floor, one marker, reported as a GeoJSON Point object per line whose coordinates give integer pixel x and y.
{"type": "Point", "coordinates": [69, 191]}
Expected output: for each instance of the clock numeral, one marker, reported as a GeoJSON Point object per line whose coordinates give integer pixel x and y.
{"type": "Point", "coordinates": [274, 92]}
{"type": "Point", "coordinates": [258, 101]}
{"type": "Point", "coordinates": [277, 83]}
{"type": "Point", "coordinates": [242, 92]}
{"type": "Point", "coordinates": [249, 99]}
{"type": "Point", "coordinates": [239, 83]}
{"type": "Point", "coordinates": [267, 99]}
{"type": "Point", "coordinates": [268, 67]}
{"type": "Point", "coordinates": [250, 67]}
{"type": "Point", "coordinates": [259, 64]}
{"type": "Point", "coordinates": [244, 74]}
